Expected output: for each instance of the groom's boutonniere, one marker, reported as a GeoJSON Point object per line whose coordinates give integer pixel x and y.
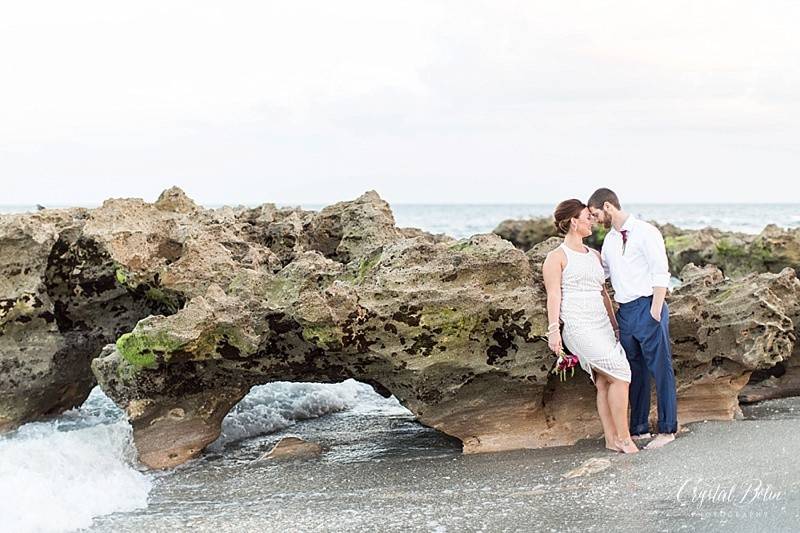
{"type": "Point", "coordinates": [624, 233]}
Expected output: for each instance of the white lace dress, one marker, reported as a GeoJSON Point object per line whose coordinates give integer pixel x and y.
{"type": "Point", "coordinates": [587, 329]}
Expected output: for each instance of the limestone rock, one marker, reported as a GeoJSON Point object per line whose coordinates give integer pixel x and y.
{"type": "Point", "coordinates": [524, 234]}
{"type": "Point", "coordinates": [736, 254]}
{"type": "Point", "coordinates": [710, 314]}
{"type": "Point", "coordinates": [347, 230]}
{"type": "Point", "coordinates": [175, 200]}
{"type": "Point", "coordinates": [409, 233]}
{"type": "Point", "coordinates": [293, 447]}
{"type": "Point", "coordinates": [527, 233]}
{"type": "Point", "coordinates": [449, 328]}
{"type": "Point", "coordinates": [60, 302]}
{"type": "Point", "coordinates": [723, 330]}
{"type": "Point", "coordinates": [191, 307]}
{"type": "Point", "coordinates": [452, 329]}
{"type": "Point", "coordinates": [780, 381]}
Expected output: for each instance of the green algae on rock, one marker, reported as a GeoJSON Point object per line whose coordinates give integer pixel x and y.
{"type": "Point", "coordinates": [736, 254]}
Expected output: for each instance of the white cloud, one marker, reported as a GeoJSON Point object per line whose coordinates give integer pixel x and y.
{"type": "Point", "coordinates": [423, 101]}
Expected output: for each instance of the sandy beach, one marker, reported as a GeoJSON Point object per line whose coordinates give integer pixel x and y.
{"type": "Point", "coordinates": [743, 475]}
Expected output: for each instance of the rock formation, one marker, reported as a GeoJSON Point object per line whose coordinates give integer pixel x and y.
{"type": "Point", "coordinates": [195, 306]}
{"type": "Point", "coordinates": [61, 301]}
{"type": "Point", "coordinates": [722, 330]}
{"type": "Point", "coordinates": [736, 254]}
{"type": "Point", "coordinates": [779, 381]}
{"type": "Point", "coordinates": [527, 233]}
{"type": "Point", "coordinates": [293, 447]}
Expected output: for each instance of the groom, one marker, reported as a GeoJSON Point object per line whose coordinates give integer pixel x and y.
{"type": "Point", "coordinates": [634, 257]}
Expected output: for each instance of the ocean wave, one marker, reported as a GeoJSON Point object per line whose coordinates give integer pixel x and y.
{"type": "Point", "coordinates": [58, 475]}
{"type": "Point", "coordinates": [278, 405]}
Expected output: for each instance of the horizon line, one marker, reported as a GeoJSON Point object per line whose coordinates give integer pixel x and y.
{"type": "Point", "coordinates": [477, 204]}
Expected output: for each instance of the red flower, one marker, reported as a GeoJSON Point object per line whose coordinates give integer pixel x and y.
{"type": "Point", "coordinates": [563, 363]}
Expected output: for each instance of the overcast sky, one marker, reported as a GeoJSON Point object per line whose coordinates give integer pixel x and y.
{"type": "Point", "coordinates": [425, 102]}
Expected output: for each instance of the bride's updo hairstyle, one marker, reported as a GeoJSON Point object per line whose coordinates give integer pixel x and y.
{"type": "Point", "coordinates": [565, 212]}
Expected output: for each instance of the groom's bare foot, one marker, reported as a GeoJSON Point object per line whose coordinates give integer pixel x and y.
{"type": "Point", "coordinates": [641, 436]}
{"type": "Point", "coordinates": [660, 440]}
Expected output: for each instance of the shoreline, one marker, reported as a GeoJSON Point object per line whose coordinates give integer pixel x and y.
{"type": "Point", "coordinates": [669, 489]}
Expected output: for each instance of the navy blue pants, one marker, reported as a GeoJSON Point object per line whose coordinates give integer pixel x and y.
{"type": "Point", "coordinates": [646, 343]}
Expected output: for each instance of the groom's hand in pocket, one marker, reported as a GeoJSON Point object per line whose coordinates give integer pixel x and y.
{"type": "Point", "coordinates": [656, 316]}
{"type": "Point", "coordinates": [657, 304]}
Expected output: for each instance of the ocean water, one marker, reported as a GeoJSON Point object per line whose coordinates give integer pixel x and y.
{"type": "Point", "coordinates": [464, 220]}
{"type": "Point", "coordinates": [57, 475]}
{"type": "Point", "coordinates": [79, 471]}
{"type": "Point", "coordinates": [63, 474]}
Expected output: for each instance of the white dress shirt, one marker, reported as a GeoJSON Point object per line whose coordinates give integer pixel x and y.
{"type": "Point", "coordinates": [642, 266]}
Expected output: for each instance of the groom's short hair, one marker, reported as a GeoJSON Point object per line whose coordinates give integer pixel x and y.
{"type": "Point", "coordinates": [601, 196]}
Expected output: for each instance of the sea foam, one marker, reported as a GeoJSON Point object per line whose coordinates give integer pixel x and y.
{"type": "Point", "coordinates": [278, 405]}
{"type": "Point", "coordinates": [58, 475]}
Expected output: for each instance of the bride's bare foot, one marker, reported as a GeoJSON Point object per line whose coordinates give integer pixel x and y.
{"type": "Point", "coordinates": [626, 446]}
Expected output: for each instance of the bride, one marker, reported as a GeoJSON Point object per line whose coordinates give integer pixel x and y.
{"type": "Point", "coordinates": [576, 295]}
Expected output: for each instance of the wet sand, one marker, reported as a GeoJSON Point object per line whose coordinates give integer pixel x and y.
{"type": "Point", "coordinates": [390, 474]}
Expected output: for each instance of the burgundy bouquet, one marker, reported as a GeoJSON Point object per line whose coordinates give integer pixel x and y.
{"type": "Point", "coordinates": [563, 363]}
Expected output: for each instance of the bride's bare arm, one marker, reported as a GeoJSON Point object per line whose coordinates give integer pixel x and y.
{"type": "Point", "coordinates": [551, 272]}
